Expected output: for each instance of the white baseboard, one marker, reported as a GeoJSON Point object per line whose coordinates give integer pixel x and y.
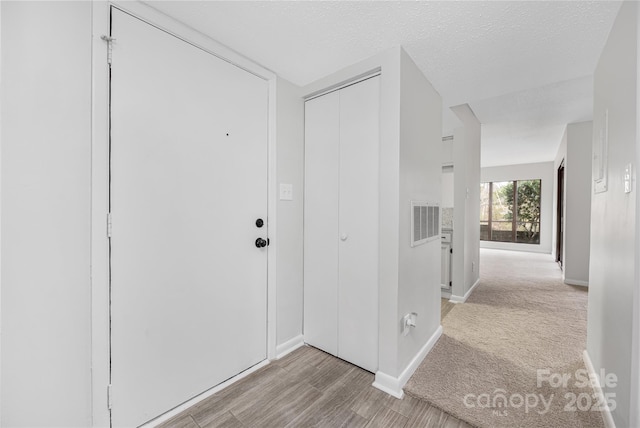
{"type": "Point", "coordinates": [389, 384]}
{"type": "Point", "coordinates": [508, 246]}
{"type": "Point", "coordinates": [462, 299]}
{"type": "Point", "coordinates": [198, 398]}
{"type": "Point", "coordinates": [393, 385]}
{"type": "Point", "coordinates": [581, 283]}
{"type": "Point", "coordinates": [289, 346]}
{"type": "Point", "coordinates": [597, 389]}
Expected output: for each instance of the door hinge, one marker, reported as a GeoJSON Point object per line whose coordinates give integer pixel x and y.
{"type": "Point", "coordinates": [109, 401]}
{"type": "Point", "coordinates": [451, 251]}
{"type": "Point", "coordinates": [109, 41]}
{"type": "Point", "coordinates": [109, 225]}
{"type": "Point", "coordinates": [450, 283]}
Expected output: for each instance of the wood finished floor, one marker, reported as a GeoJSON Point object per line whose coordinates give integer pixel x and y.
{"type": "Point", "coordinates": [445, 307]}
{"type": "Point", "coordinates": [309, 388]}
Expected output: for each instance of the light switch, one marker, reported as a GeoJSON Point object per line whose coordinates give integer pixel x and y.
{"type": "Point", "coordinates": [286, 192]}
{"type": "Point", "coordinates": [628, 177]}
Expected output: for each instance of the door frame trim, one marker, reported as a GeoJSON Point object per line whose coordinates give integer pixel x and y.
{"type": "Point", "coordinates": [100, 334]}
{"type": "Point", "coordinates": [560, 207]}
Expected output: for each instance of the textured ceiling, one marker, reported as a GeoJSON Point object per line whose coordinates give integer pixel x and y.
{"type": "Point", "coordinates": [523, 67]}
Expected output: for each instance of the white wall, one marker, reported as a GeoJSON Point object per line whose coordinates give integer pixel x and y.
{"type": "Point", "coordinates": [613, 274]}
{"type": "Point", "coordinates": [410, 125]}
{"type": "Point", "coordinates": [420, 179]}
{"type": "Point", "coordinates": [466, 213]}
{"type": "Point", "coordinates": [46, 159]}
{"type": "Point", "coordinates": [577, 203]}
{"type": "Point", "coordinates": [1, 91]}
{"type": "Point", "coordinates": [447, 151]}
{"type": "Point", "coordinates": [530, 171]}
{"type": "Point", "coordinates": [575, 150]}
{"type": "Point", "coordinates": [290, 163]}
{"type": "Point", "coordinates": [448, 180]}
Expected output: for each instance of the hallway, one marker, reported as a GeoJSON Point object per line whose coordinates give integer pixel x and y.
{"type": "Point", "coordinates": [521, 326]}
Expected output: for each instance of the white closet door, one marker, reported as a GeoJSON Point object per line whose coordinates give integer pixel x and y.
{"type": "Point", "coordinates": [358, 258]}
{"type": "Point", "coordinates": [341, 223]}
{"type": "Point", "coordinates": [322, 154]}
{"type": "Point", "coordinates": [188, 181]}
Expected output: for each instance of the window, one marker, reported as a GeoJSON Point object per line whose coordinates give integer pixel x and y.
{"type": "Point", "coordinates": [498, 219]}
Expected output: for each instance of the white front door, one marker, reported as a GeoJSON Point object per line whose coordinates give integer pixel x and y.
{"type": "Point", "coordinates": [188, 181]}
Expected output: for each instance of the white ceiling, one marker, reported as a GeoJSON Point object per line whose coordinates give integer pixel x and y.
{"type": "Point", "coordinates": [524, 67]}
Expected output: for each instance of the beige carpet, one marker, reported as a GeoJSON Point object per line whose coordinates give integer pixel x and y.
{"type": "Point", "coordinates": [520, 319]}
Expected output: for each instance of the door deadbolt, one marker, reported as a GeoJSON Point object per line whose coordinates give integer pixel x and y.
{"type": "Point", "coordinates": [261, 243]}
{"type": "Point", "coordinates": [259, 223]}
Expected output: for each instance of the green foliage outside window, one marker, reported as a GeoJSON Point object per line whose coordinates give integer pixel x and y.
{"type": "Point", "coordinates": [528, 200]}
{"type": "Point", "coordinates": [499, 202]}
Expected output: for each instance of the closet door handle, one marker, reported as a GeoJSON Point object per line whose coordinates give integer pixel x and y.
{"type": "Point", "coordinates": [260, 243]}
{"type": "Point", "coordinates": [344, 237]}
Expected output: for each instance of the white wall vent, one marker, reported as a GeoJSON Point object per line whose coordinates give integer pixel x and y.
{"type": "Point", "coordinates": [425, 222]}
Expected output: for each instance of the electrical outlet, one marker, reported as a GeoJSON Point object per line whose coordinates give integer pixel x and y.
{"type": "Point", "coordinates": [405, 324]}
{"type": "Point", "coordinates": [408, 321]}
{"type": "Point", "coordinates": [628, 177]}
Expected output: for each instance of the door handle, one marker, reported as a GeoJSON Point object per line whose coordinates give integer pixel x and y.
{"type": "Point", "coordinates": [260, 243]}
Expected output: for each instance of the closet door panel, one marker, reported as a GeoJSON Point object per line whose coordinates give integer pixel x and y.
{"type": "Point", "coordinates": [358, 208]}
{"type": "Point", "coordinates": [322, 154]}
